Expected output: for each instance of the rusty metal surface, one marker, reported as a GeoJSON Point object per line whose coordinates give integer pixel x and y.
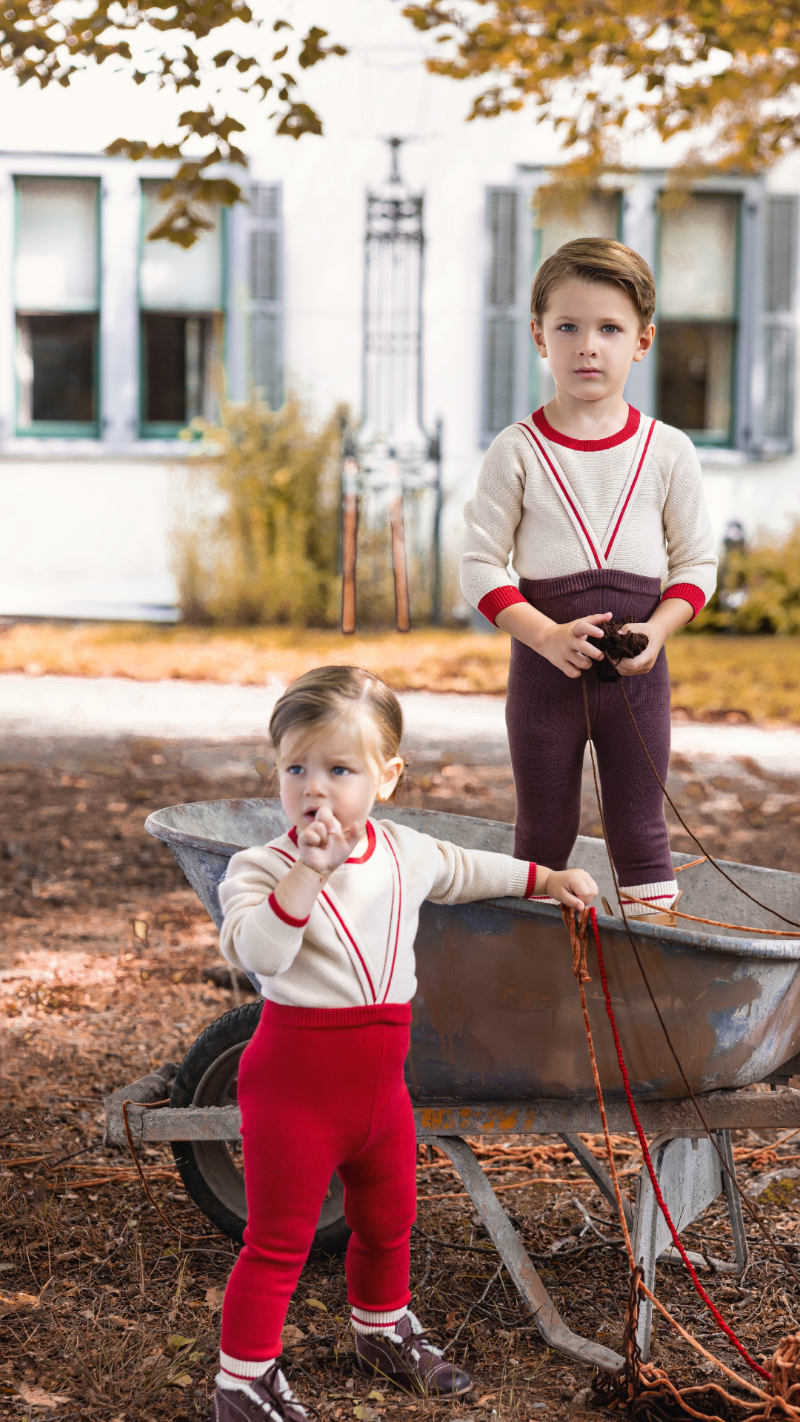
{"type": "Point", "coordinates": [497, 1018]}
{"type": "Point", "coordinates": [731, 1110]}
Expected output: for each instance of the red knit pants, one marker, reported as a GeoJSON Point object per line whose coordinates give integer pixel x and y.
{"type": "Point", "coordinates": [322, 1089]}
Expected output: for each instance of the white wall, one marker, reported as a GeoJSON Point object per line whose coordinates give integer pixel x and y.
{"type": "Point", "coordinates": [85, 538]}
{"type": "Point", "coordinates": [74, 526]}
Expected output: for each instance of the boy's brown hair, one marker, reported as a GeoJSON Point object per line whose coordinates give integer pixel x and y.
{"type": "Point", "coordinates": [596, 259]}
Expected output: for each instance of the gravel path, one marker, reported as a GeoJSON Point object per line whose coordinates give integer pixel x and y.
{"type": "Point", "coordinates": [40, 715]}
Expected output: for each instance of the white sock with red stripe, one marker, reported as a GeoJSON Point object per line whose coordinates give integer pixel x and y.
{"type": "Point", "coordinates": [658, 897]}
{"type": "Point", "coordinates": [238, 1372]}
{"type": "Point", "coordinates": [366, 1321]}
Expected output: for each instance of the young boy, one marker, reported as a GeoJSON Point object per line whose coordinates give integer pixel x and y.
{"type": "Point", "coordinates": [603, 511]}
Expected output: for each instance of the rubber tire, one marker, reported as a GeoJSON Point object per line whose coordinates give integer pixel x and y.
{"type": "Point", "coordinates": [231, 1031]}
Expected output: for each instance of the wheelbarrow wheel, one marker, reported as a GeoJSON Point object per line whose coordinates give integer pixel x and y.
{"type": "Point", "coordinates": [211, 1171]}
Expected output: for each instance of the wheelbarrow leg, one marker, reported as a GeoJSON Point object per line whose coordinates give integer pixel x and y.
{"type": "Point", "coordinates": [597, 1173]}
{"type": "Point", "coordinates": [549, 1322]}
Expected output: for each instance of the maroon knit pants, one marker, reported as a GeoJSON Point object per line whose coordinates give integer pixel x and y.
{"type": "Point", "coordinates": [322, 1089]}
{"type": "Point", "coordinates": [547, 735]}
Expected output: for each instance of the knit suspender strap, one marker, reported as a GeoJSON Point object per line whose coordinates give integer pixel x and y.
{"type": "Point", "coordinates": [631, 485]}
{"type": "Point", "coordinates": [596, 553]}
{"type": "Point", "coordinates": [334, 911]}
{"type": "Point", "coordinates": [395, 917]}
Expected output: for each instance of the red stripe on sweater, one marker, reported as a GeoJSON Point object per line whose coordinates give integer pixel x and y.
{"type": "Point", "coordinates": [531, 884]}
{"type": "Point", "coordinates": [565, 491]}
{"type": "Point", "coordinates": [284, 916]}
{"type": "Point", "coordinates": [499, 599]}
{"type": "Point", "coordinates": [689, 592]}
{"type": "Point", "coordinates": [399, 912]}
{"type": "Point", "coordinates": [334, 910]}
{"type": "Point", "coordinates": [631, 489]}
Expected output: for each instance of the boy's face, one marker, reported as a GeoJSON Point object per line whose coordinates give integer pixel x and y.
{"type": "Point", "coordinates": [590, 336]}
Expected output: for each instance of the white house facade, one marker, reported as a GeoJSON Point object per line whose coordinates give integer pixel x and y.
{"type": "Point", "coordinates": [111, 345]}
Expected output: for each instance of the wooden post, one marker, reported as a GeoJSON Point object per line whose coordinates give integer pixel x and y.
{"type": "Point", "coordinates": [349, 542]}
{"type": "Point", "coordinates": [401, 603]}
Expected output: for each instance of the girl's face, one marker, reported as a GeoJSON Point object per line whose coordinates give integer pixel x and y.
{"type": "Point", "coordinates": [590, 334]}
{"type": "Point", "coordinates": [334, 772]}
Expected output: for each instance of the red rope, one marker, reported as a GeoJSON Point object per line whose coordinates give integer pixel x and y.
{"type": "Point", "coordinates": [727, 1330]}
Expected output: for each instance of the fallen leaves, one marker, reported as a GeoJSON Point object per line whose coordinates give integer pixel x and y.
{"type": "Point", "coordinates": [291, 1334]}
{"type": "Point", "coordinates": [37, 1397]}
{"type": "Point", "coordinates": [17, 1302]}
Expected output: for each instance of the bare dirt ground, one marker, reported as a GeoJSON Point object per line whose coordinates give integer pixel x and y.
{"type": "Point", "coordinates": [105, 1313]}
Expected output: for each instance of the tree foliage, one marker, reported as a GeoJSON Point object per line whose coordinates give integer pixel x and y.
{"type": "Point", "coordinates": [172, 44]}
{"type": "Point", "coordinates": [599, 68]}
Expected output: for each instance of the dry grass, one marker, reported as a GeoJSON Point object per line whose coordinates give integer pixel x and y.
{"type": "Point", "coordinates": [712, 676]}
{"type": "Point", "coordinates": [421, 660]}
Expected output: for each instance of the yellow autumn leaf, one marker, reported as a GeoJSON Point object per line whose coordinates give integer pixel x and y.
{"type": "Point", "coordinates": [316, 1303]}
{"type": "Point", "coordinates": [140, 929]}
{"type": "Point", "coordinates": [176, 1341]}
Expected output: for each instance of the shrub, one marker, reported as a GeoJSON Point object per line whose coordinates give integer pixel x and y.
{"type": "Point", "coordinates": [268, 552]}
{"type": "Point", "coordinates": [765, 582]}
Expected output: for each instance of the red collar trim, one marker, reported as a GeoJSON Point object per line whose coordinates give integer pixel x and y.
{"type": "Point", "coordinates": [588, 446]}
{"type": "Point", "coordinates": [359, 859]}
{"type": "Point", "coordinates": [370, 849]}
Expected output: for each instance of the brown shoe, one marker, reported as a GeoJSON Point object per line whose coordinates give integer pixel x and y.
{"type": "Point", "coordinates": [265, 1399]}
{"type": "Point", "coordinates": [408, 1359]}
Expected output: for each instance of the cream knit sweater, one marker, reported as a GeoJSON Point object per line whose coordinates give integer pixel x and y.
{"type": "Point", "coordinates": [357, 946]}
{"type": "Point", "coordinates": [516, 511]}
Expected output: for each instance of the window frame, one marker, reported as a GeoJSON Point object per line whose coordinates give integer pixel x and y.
{"type": "Point", "coordinates": [61, 429]}
{"type": "Point", "coordinates": [215, 316]}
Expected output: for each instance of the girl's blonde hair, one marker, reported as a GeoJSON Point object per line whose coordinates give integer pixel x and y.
{"type": "Point", "coordinates": [330, 695]}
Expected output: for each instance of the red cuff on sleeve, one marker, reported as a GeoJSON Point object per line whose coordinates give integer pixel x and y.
{"type": "Point", "coordinates": [530, 887]}
{"type": "Point", "coordinates": [499, 598]}
{"type": "Point", "coordinates": [689, 592]}
{"type": "Point", "coordinates": [286, 917]}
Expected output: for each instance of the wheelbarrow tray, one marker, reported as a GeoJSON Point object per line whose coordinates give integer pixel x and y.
{"type": "Point", "coordinates": [497, 1017]}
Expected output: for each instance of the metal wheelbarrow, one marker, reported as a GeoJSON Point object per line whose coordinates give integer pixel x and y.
{"type": "Point", "coordinates": [498, 1045]}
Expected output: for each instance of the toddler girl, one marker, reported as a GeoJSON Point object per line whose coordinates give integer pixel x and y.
{"type": "Point", "coordinates": [325, 916]}
{"type": "Point", "coordinates": [603, 511]}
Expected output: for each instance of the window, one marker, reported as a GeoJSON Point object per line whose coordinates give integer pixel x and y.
{"type": "Point", "coordinates": [598, 217]}
{"type": "Point", "coordinates": [697, 316]}
{"type": "Point", "coordinates": [181, 298]}
{"type": "Point", "coordinates": [57, 301]}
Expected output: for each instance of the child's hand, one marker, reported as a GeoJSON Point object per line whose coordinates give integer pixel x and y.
{"type": "Point", "coordinates": [572, 887]}
{"type": "Point", "coordinates": [324, 845]}
{"type": "Point", "coordinates": [567, 645]}
{"type": "Point", "coordinates": [646, 660]}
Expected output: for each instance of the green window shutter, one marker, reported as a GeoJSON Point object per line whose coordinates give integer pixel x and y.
{"type": "Point", "coordinates": [265, 293]}
{"type": "Point", "coordinates": [780, 276]}
{"type": "Point", "coordinates": [501, 326]}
